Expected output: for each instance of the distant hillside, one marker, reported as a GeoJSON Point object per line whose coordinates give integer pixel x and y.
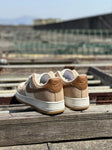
{"type": "Point", "coordinates": [25, 20]}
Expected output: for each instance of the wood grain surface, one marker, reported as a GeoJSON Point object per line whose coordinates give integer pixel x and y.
{"type": "Point", "coordinates": [29, 127]}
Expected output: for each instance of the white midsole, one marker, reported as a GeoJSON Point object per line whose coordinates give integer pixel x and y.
{"type": "Point", "coordinates": [77, 102]}
{"type": "Point", "coordinates": [43, 105]}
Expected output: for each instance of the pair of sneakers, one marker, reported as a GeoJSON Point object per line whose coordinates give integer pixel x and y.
{"type": "Point", "coordinates": [50, 92]}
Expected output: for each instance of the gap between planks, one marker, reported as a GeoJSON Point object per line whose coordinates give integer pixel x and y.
{"type": "Point", "coordinates": [104, 144]}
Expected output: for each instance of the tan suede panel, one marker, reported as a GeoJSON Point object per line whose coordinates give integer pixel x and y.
{"type": "Point", "coordinates": [73, 92]}
{"type": "Point", "coordinates": [47, 95]}
{"type": "Point", "coordinates": [21, 90]}
{"type": "Point", "coordinates": [81, 82]}
{"type": "Point", "coordinates": [85, 93]}
{"type": "Point", "coordinates": [54, 85]}
{"type": "Point", "coordinates": [59, 95]}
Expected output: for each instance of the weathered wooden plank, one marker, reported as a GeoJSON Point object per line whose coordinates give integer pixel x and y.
{"type": "Point", "coordinates": [105, 78]}
{"type": "Point", "coordinates": [105, 144]}
{"type": "Point", "coordinates": [4, 114]}
{"type": "Point", "coordinates": [90, 77]}
{"type": "Point", "coordinates": [16, 107]}
{"type": "Point", "coordinates": [101, 98]}
{"type": "Point", "coordinates": [7, 97]}
{"type": "Point", "coordinates": [4, 93]}
{"type": "Point", "coordinates": [6, 85]}
{"type": "Point", "coordinates": [54, 65]}
{"type": "Point", "coordinates": [98, 87]}
{"type": "Point", "coordinates": [107, 69]}
{"type": "Point", "coordinates": [14, 79]}
{"type": "Point", "coordinates": [34, 66]}
{"type": "Point", "coordinates": [94, 82]}
{"type": "Point", "coordinates": [33, 127]}
{"type": "Point", "coordinates": [26, 147]}
{"type": "Point", "coordinates": [82, 68]}
{"type": "Point", "coordinates": [100, 91]}
{"type": "Point", "coordinates": [44, 60]}
{"type": "Point", "coordinates": [26, 70]}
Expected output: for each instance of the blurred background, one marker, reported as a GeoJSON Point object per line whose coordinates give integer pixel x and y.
{"type": "Point", "coordinates": [45, 31]}
{"type": "Point", "coordinates": [38, 36]}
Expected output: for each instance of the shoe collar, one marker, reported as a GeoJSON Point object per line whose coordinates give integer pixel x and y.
{"type": "Point", "coordinates": [67, 75]}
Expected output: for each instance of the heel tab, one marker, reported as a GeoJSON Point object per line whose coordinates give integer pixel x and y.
{"type": "Point", "coordinates": [82, 77]}
{"type": "Point", "coordinates": [54, 85]}
{"type": "Point", "coordinates": [81, 82]}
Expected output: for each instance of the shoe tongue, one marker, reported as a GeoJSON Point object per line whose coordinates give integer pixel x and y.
{"type": "Point", "coordinates": [68, 75]}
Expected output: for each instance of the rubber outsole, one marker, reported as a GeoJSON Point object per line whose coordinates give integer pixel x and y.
{"type": "Point", "coordinates": [42, 111]}
{"type": "Point", "coordinates": [77, 109]}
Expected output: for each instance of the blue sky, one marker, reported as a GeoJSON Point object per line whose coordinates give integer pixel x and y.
{"type": "Point", "coordinates": [64, 9]}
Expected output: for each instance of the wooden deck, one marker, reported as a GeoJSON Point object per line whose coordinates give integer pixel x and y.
{"type": "Point", "coordinates": [22, 127]}
{"type": "Point", "coordinates": [20, 124]}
